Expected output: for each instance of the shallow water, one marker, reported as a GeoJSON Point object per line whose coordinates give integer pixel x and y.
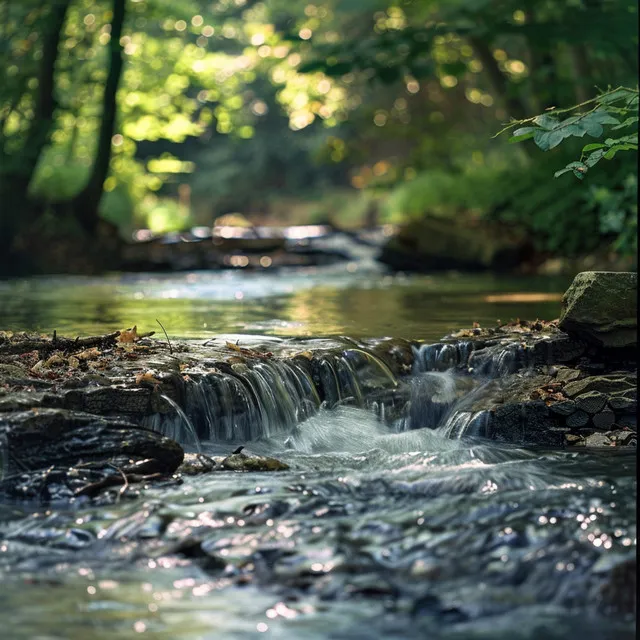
{"type": "Point", "coordinates": [371, 533]}
{"type": "Point", "coordinates": [336, 300]}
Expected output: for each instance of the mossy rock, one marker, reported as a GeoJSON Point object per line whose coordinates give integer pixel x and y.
{"type": "Point", "coordinates": [243, 462]}
{"type": "Point", "coordinates": [600, 307]}
{"type": "Point", "coordinates": [445, 243]}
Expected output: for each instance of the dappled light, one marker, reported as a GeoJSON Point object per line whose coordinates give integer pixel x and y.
{"type": "Point", "coordinates": [318, 319]}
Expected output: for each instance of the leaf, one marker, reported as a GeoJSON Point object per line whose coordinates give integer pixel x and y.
{"type": "Point", "coordinates": [592, 146]}
{"type": "Point", "coordinates": [524, 133]}
{"type": "Point", "coordinates": [147, 377]}
{"type": "Point", "coordinates": [129, 335]}
{"type": "Point", "coordinates": [578, 169]}
{"type": "Point", "coordinates": [626, 123]}
{"type": "Point", "coordinates": [619, 147]}
{"type": "Point", "coordinates": [594, 158]}
{"type": "Point", "coordinates": [614, 96]}
{"type": "Point", "coordinates": [602, 117]}
{"type": "Point", "coordinates": [548, 139]}
{"type": "Point", "coordinates": [546, 122]}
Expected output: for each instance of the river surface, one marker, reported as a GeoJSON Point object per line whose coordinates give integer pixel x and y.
{"type": "Point", "coordinates": [372, 533]}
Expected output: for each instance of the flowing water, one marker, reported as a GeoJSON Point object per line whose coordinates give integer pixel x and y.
{"type": "Point", "coordinates": [395, 519]}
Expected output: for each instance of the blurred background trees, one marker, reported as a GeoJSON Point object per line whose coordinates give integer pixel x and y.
{"type": "Point", "coordinates": [166, 114]}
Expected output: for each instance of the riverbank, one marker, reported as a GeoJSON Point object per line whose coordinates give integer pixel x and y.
{"type": "Point", "coordinates": [525, 383]}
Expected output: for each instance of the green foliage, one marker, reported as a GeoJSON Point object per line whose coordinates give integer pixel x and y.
{"type": "Point", "coordinates": [548, 131]}
{"type": "Point", "coordinates": [617, 211]}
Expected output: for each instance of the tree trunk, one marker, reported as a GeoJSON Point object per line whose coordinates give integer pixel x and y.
{"type": "Point", "coordinates": [87, 201]}
{"type": "Point", "coordinates": [14, 183]}
{"type": "Point", "coordinates": [515, 106]}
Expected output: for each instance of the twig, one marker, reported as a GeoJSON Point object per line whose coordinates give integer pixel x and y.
{"type": "Point", "coordinates": [166, 336]}
{"type": "Point", "coordinates": [125, 484]}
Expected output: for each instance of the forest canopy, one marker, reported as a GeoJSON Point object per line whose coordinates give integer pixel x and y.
{"type": "Point", "coordinates": [166, 114]}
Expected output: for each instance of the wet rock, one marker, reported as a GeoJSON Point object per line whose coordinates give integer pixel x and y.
{"type": "Point", "coordinates": [591, 402]}
{"type": "Point", "coordinates": [597, 440]}
{"type": "Point", "coordinates": [526, 423]}
{"type": "Point", "coordinates": [195, 464]}
{"type": "Point", "coordinates": [630, 421]}
{"type": "Point", "coordinates": [604, 419]}
{"type": "Point", "coordinates": [623, 404]}
{"type": "Point", "coordinates": [563, 408]}
{"type": "Point", "coordinates": [105, 400]}
{"type": "Point", "coordinates": [600, 307]}
{"type": "Point", "coordinates": [623, 437]}
{"type": "Point", "coordinates": [567, 374]}
{"type": "Point", "coordinates": [578, 419]}
{"type": "Point", "coordinates": [611, 383]}
{"type": "Point", "coordinates": [559, 349]}
{"type": "Point", "coordinates": [12, 371]}
{"type": "Point", "coordinates": [42, 438]}
{"type": "Point", "coordinates": [244, 462]}
{"type": "Point", "coordinates": [618, 593]}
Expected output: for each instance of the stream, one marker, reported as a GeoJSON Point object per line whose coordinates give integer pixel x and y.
{"type": "Point", "coordinates": [413, 528]}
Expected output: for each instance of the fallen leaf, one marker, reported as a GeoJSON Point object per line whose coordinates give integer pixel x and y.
{"type": "Point", "coordinates": [129, 335]}
{"type": "Point", "coordinates": [54, 360]}
{"type": "Point", "coordinates": [89, 354]}
{"type": "Point", "coordinates": [147, 377]}
{"type": "Point", "coordinates": [74, 363]}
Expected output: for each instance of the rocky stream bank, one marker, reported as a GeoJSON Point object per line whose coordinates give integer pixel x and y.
{"type": "Point", "coordinates": [97, 417]}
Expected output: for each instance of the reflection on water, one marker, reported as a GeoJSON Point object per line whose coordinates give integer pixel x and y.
{"type": "Point", "coordinates": [302, 302]}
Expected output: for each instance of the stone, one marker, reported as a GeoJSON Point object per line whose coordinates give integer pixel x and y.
{"type": "Point", "coordinates": [597, 440]}
{"type": "Point", "coordinates": [195, 464]}
{"type": "Point", "coordinates": [528, 423]}
{"type": "Point", "coordinates": [563, 408]}
{"type": "Point", "coordinates": [433, 243]}
{"type": "Point", "coordinates": [578, 419]}
{"type": "Point", "coordinates": [600, 307]}
{"type": "Point", "coordinates": [612, 383]}
{"type": "Point", "coordinates": [12, 371]}
{"type": "Point", "coordinates": [243, 462]}
{"type": "Point", "coordinates": [623, 404]}
{"type": "Point", "coordinates": [567, 374]}
{"type": "Point", "coordinates": [591, 402]}
{"type": "Point", "coordinates": [41, 438]}
{"type": "Point", "coordinates": [604, 420]}
{"type": "Point", "coordinates": [630, 421]}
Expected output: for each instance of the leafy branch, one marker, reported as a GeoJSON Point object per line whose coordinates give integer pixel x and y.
{"type": "Point", "coordinates": [548, 131]}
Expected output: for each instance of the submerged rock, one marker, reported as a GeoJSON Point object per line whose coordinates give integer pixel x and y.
{"type": "Point", "coordinates": [195, 464]}
{"type": "Point", "coordinates": [242, 462]}
{"type": "Point", "coordinates": [600, 307]}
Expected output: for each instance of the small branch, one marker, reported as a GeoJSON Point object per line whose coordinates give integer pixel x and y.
{"type": "Point", "coordinates": [166, 336]}
{"type": "Point", "coordinates": [553, 111]}
{"type": "Point", "coordinates": [59, 343]}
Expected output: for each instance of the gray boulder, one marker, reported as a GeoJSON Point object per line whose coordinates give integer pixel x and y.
{"type": "Point", "coordinates": [600, 307]}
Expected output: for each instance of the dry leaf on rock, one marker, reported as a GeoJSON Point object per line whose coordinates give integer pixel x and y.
{"type": "Point", "coordinates": [129, 335]}
{"type": "Point", "coordinates": [147, 377]}
{"type": "Point", "coordinates": [89, 354]}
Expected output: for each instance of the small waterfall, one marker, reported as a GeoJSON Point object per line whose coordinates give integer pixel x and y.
{"type": "Point", "coordinates": [260, 399]}
{"type": "Point", "coordinates": [185, 424]}
{"type": "Point", "coordinates": [467, 423]}
{"type": "Point", "coordinates": [481, 359]}
{"type": "Point", "coordinates": [432, 396]}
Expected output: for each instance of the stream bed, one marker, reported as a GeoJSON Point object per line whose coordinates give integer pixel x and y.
{"type": "Point", "coordinates": [374, 531]}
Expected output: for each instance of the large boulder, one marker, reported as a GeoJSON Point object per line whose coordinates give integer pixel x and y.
{"type": "Point", "coordinates": [433, 244]}
{"type": "Point", "coordinates": [600, 307]}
